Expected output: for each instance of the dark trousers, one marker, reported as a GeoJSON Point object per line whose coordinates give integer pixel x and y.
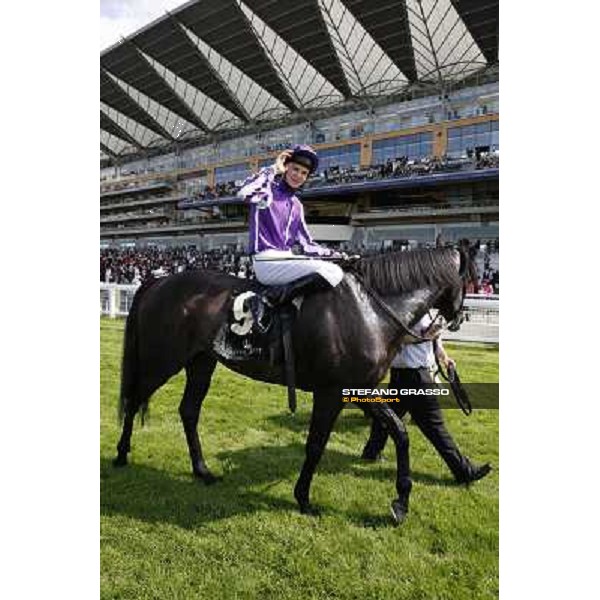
{"type": "Point", "coordinates": [425, 411]}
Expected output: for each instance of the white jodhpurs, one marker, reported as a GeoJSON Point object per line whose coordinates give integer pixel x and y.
{"type": "Point", "coordinates": [279, 267]}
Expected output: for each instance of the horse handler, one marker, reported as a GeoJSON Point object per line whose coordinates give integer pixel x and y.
{"type": "Point", "coordinates": [277, 223]}
{"type": "Point", "coordinates": [413, 368]}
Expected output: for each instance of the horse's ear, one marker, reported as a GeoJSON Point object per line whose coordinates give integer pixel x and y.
{"type": "Point", "coordinates": [467, 269]}
{"type": "Point", "coordinates": [464, 262]}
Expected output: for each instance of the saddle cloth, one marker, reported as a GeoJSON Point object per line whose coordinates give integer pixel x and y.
{"type": "Point", "coordinates": [239, 339]}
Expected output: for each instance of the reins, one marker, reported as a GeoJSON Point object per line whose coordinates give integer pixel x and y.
{"type": "Point", "coordinates": [428, 337]}
{"type": "Point", "coordinates": [462, 398]}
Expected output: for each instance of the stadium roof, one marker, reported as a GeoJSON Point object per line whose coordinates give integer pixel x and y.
{"type": "Point", "coordinates": [214, 66]}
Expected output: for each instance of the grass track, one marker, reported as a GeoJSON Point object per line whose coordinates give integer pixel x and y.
{"type": "Point", "coordinates": [165, 536]}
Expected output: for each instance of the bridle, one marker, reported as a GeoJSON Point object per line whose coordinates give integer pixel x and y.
{"type": "Point", "coordinates": [433, 329]}
{"type": "Point", "coordinates": [458, 320]}
{"type": "Point", "coordinates": [429, 335]}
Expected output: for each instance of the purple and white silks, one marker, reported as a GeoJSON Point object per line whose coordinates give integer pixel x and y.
{"type": "Point", "coordinates": [276, 224]}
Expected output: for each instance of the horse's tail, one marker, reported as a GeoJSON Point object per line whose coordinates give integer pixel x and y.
{"type": "Point", "coordinates": [129, 365]}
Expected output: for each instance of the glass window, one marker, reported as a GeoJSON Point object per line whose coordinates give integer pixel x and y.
{"type": "Point", "coordinates": [267, 162]}
{"type": "Point", "coordinates": [344, 156]}
{"type": "Point", "coordinates": [454, 146]}
{"type": "Point", "coordinates": [470, 136]}
{"type": "Point", "coordinates": [413, 146]}
{"type": "Point", "coordinates": [482, 139]}
{"type": "Point", "coordinates": [232, 172]}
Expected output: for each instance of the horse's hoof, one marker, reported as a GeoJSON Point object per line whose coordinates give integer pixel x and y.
{"type": "Point", "coordinates": [120, 461]}
{"type": "Point", "coordinates": [309, 510]}
{"type": "Point", "coordinates": [399, 511]}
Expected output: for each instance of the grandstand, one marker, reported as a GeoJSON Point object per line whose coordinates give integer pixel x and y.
{"type": "Point", "coordinates": [399, 97]}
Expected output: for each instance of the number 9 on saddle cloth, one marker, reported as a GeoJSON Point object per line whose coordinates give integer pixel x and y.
{"type": "Point", "coordinates": [259, 319]}
{"type": "Point", "coordinates": [241, 338]}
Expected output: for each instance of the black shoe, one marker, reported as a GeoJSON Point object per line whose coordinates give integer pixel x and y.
{"type": "Point", "coordinates": [474, 474]}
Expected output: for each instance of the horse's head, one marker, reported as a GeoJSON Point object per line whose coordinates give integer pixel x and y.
{"type": "Point", "coordinates": [452, 297]}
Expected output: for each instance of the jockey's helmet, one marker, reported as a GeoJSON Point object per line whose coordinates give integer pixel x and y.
{"type": "Point", "coordinates": [304, 155]}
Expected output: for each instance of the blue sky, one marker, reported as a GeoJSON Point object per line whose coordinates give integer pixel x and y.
{"type": "Point", "coordinates": [120, 18]}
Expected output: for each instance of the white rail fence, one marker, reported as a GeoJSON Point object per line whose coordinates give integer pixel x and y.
{"type": "Point", "coordinates": [115, 299]}
{"type": "Point", "coordinates": [482, 313]}
{"type": "Point", "coordinates": [482, 321]}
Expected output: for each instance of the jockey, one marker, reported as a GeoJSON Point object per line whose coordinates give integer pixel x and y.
{"type": "Point", "coordinates": [277, 223]}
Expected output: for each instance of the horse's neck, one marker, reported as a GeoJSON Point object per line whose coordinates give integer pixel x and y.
{"type": "Point", "coordinates": [408, 307]}
{"type": "Point", "coordinates": [373, 315]}
{"type": "Point", "coordinates": [375, 335]}
{"type": "Point", "coordinates": [411, 306]}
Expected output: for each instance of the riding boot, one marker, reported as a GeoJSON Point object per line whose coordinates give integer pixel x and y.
{"type": "Point", "coordinates": [257, 309]}
{"type": "Point", "coordinates": [277, 295]}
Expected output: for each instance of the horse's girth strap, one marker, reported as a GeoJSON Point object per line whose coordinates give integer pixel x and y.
{"type": "Point", "coordinates": [288, 357]}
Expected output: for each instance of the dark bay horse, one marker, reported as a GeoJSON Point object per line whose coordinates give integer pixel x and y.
{"type": "Point", "coordinates": [345, 337]}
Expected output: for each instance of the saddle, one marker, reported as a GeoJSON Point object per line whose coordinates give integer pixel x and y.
{"type": "Point", "coordinates": [243, 336]}
{"type": "Point", "coordinates": [263, 335]}
{"type": "Point", "coordinates": [262, 320]}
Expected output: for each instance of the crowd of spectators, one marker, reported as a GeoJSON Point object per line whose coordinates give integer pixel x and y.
{"type": "Point", "coordinates": [393, 168]}
{"type": "Point", "coordinates": [134, 265]}
{"type": "Point", "coordinates": [402, 166]}
{"type": "Point", "coordinates": [488, 160]}
{"type": "Point", "coordinates": [220, 190]}
{"type": "Point", "coordinates": [485, 254]}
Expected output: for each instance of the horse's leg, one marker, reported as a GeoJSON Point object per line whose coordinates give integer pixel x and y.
{"type": "Point", "coordinates": [134, 403]}
{"type": "Point", "coordinates": [326, 408]}
{"type": "Point", "coordinates": [137, 399]}
{"type": "Point", "coordinates": [395, 427]}
{"type": "Point", "coordinates": [198, 372]}
{"type": "Point", "coordinates": [378, 436]}
{"type": "Point", "coordinates": [124, 445]}
{"type": "Point", "coordinates": [376, 442]}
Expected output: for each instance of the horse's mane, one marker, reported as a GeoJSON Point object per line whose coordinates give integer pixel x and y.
{"type": "Point", "coordinates": [396, 272]}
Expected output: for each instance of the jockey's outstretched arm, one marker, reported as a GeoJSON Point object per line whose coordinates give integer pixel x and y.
{"type": "Point", "coordinates": [255, 189]}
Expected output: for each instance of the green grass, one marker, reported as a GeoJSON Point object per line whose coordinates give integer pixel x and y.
{"type": "Point", "coordinates": [164, 535]}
